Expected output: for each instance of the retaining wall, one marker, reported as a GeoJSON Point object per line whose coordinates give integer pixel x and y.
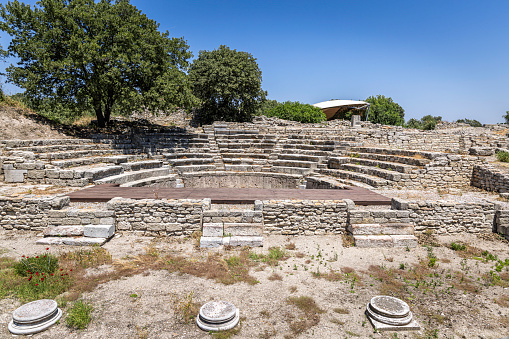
{"type": "Point", "coordinates": [490, 179]}
{"type": "Point", "coordinates": [28, 213]}
{"type": "Point", "coordinates": [305, 217]}
{"type": "Point", "coordinates": [161, 217]}
{"type": "Point", "coordinates": [445, 217]}
{"type": "Point", "coordinates": [225, 179]}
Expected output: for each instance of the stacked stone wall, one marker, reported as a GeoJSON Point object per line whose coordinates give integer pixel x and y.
{"type": "Point", "coordinates": [264, 180]}
{"type": "Point", "coordinates": [490, 179]}
{"type": "Point", "coordinates": [29, 213]}
{"type": "Point", "coordinates": [305, 217]}
{"type": "Point", "coordinates": [158, 217]}
{"type": "Point", "coordinates": [445, 217]}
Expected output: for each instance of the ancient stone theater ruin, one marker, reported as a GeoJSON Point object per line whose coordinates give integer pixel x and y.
{"type": "Point", "coordinates": [239, 182]}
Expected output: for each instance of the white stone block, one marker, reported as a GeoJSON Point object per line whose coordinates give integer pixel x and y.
{"type": "Point", "coordinates": [99, 231]}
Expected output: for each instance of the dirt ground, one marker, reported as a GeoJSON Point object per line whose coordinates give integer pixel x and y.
{"type": "Point", "coordinates": [442, 312]}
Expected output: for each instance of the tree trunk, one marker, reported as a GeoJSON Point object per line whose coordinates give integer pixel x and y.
{"type": "Point", "coordinates": [101, 121]}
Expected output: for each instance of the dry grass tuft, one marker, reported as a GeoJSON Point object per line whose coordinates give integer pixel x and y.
{"type": "Point", "coordinates": [275, 276]}
{"type": "Point", "coordinates": [310, 314]}
{"type": "Point", "coordinates": [347, 240]}
{"type": "Point", "coordinates": [290, 246]}
{"type": "Point", "coordinates": [341, 310]}
{"type": "Point", "coordinates": [427, 238]}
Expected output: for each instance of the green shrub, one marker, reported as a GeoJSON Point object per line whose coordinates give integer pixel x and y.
{"type": "Point", "coordinates": [457, 246]}
{"type": "Point", "coordinates": [383, 110]}
{"type": "Point", "coordinates": [473, 123]}
{"type": "Point", "coordinates": [426, 123]}
{"type": "Point", "coordinates": [79, 315]}
{"type": "Point", "coordinates": [503, 156]}
{"type": "Point", "coordinates": [43, 263]}
{"type": "Point", "coordinates": [296, 111]}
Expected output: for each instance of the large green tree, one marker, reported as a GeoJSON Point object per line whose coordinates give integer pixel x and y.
{"type": "Point", "coordinates": [383, 110]}
{"type": "Point", "coordinates": [99, 56]}
{"type": "Point", "coordinates": [229, 84]}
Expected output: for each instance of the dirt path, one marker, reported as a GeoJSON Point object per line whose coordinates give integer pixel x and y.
{"type": "Point", "coordinates": [264, 307]}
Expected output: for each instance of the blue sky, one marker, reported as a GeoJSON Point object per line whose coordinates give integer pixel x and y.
{"type": "Point", "coordinates": [447, 58]}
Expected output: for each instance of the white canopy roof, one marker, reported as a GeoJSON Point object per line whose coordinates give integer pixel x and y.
{"type": "Point", "coordinates": [339, 103]}
{"type": "Point", "coordinates": [332, 107]}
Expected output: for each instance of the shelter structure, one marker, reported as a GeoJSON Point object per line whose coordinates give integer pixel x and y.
{"type": "Point", "coordinates": [335, 109]}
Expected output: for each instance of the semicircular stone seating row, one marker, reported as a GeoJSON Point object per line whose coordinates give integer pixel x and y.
{"type": "Point", "coordinates": [153, 159]}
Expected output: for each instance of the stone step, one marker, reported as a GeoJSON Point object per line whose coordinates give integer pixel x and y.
{"type": "Point", "coordinates": [141, 165]}
{"type": "Point", "coordinates": [243, 168]}
{"type": "Point", "coordinates": [227, 216]}
{"type": "Point", "coordinates": [245, 155]}
{"type": "Point", "coordinates": [42, 142]}
{"type": "Point", "coordinates": [63, 231]}
{"type": "Point", "coordinates": [291, 170]}
{"type": "Point", "coordinates": [153, 180]}
{"type": "Point", "coordinates": [238, 161]}
{"type": "Point", "coordinates": [380, 229]}
{"type": "Point", "coordinates": [79, 154]}
{"type": "Point", "coordinates": [309, 147]}
{"type": "Point", "coordinates": [97, 173]}
{"type": "Point", "coordinates": [134, 176]}
{"type": "Point", "coordinates": [119, 159]}
{"type": "Point", "coordinates": [398, 154]}
{"type": "Point", "coordinates": [195, 168]}
{"type": "Point", "coordinates": [251, 241]}
{"type": "Point", "coordinates": [301, 157]}
{"type": "Point", "coordinates": [376, 172]}
{"type": "Point", "coordinates": [99, 231]}
{"type": "Point", "coordinates": [243, 229]}
{"type": "Point", "coordinates": [355, 176]}
{"type": "Point", "coordinates": [411, 161]}
{"type": "Point", "coordinates": [78, 241]}
{"type": "Point", "coordinates": [184, 155]}
{"type": "Point", "coordinates": [393, 166]}
{"type": "Point", "coordinates": [191, 161]}
{"type": "Point", "coordinates": [62, 148]}
{"type": "Point", "coordinates": [365, 241]}
{"type": "Point", "coordinates": [294, 163]}
{"type": "Point", "coordinates": [311, 152]}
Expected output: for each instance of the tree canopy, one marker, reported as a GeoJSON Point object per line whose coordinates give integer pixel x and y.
{"type": "Point", "coordinates": [95, 56]}
{"type": "Point", "coordinates": [229, 84]}
{"type": "Point", "coordinates": [385, 111]}
{"type": "Point", "coordinates": [297, 111]}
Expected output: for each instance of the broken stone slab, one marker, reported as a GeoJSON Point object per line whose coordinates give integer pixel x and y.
{"type": "Point", "coordinates": [243, 229]}
{"type": "Point", "coordinates": [63, 231]}
{"type": "Point", "coordinates": [80, 241]}
{"type": "Point", "coordinates": [404, 241]}
{"type": "Point", "coordinates": [14, 175]}
{"type": "Point", "coordinates": [210, 242]}
{"type": "Point", "coordinates": [246, 241]}
{"type": "Point", "coordinates": [373, 241]}
{"type": "Point", "coordinates": [213, 229]}
{"type": "Point", "coordinates": [99, 231]}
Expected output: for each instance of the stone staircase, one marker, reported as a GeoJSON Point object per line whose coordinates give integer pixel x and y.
{"type": "Point", "coordinates": [376, 167]}
{"type": "Point", "coordinates": [232, 225]}
{"type": "Point", "coordinates": [298, 154]}
{"type": "Point", "coordinates": [244, 150]}
{"type": "Point", "coordinates": [77, 227]}
{"type": "Point", "coordinates": [381, 228]}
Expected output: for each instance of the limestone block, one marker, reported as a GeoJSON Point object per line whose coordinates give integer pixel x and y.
{"type": "Point", "coordinates": [63, 231]}
{"type": "Point", "coordinates": [13, 175]}
{"type": "Point", "coordinates": [373, 241]}
{"type": "Point", "coordinates": [246, 241]}
{"type": "Point", "coordinates": [212, 229]}
{"type": "Point", "coordinates": [404, 241]}
{"type": "Point", "coordinates": [99, 231]}
{"type": "Point", "coordinates": [209, 242]}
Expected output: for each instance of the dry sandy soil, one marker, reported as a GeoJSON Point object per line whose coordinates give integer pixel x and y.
{"type": "Point", "coordinates": [442, 311]}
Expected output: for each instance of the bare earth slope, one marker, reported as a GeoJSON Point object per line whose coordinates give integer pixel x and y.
{"type": "Point", "coordinates": [16, 124]}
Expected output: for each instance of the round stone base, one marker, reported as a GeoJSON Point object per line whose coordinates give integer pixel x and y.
{"type": "Point", "coordinates": [18, 328]}
{"type": "Point", "coordinates": [206, 326]}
